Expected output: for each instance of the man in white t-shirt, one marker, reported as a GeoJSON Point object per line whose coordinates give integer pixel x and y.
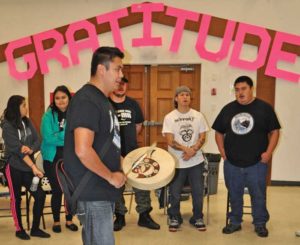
{"type": "Point", "coordinates": [185, 131]}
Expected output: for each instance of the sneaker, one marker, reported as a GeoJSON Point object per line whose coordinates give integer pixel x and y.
{"type": "Point", "coordinates": [22, 235]}
{"type": "Point", "coordinates": [297, 233]}
{"type": "Point", "coordinates": [230, 228]}
{"type": "Point", "coordinates": [39, 233]}
{"type": "Point", "coordinates": [173, 224]}
{"type": "Point", "coordinates": [261, 230]}
{"type": "Point", "coordinates": [198, 223]}
{"type": "Point", "coordinates": [119, 222]}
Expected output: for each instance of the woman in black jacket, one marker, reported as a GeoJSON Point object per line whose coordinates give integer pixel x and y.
{"type": "Point", "coordinates": [21, 142]}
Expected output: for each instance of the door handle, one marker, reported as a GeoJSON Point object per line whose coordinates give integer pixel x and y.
{"type": "Point", "coordinates": [151, 123]}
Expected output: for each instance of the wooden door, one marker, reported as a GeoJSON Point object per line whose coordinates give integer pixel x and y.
{"type": "Point", "coordinates": [154, 88]}
{"type": "Point", "coordinates": [164, 79]}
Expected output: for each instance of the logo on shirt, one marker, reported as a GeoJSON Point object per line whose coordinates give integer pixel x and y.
{"type": "Point", "coordinates": [116, 128]}
{"type": "Point", "coordinates": [242, 123]}
{"type": "Point", "coordinates": [186, 132]}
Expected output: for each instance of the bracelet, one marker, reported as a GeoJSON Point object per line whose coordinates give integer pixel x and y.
{"type": "Point", "coordinates": [31, 165]}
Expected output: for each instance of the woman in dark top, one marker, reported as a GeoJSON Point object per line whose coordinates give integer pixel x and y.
{"type": "Point", "coordinates": [53, 133]}
{"type": "Point", "coordinates": [21, 142]}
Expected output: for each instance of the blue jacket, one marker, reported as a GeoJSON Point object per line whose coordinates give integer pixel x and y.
{"type": "Point", "coordinates": [51, 136]}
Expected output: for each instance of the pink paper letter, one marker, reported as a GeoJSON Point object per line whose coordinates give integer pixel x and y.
{"type": "Point", "coordinates": [277, 54]}
{"type": "Point", "coordinates": [202, 36]}
{"type": "Point", "coordinates": [53, 53]}
{"type": "Point", "coordinates": [147, 9]}
{"type": "Point", "coordinates": [182, 16]}
{"type": "Point", "coordinates": [262, 49]}
{"type": "Point", "coordinates": [29, 59]}
{"type": "Point", "coordinates": [90, 42]}
{"type": "Point", "coordinates": [112, 18]}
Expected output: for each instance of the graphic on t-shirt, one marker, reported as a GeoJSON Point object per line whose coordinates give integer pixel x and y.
{"type": "Point", "coordinates": [124, 116]}
{"type": "Point", "coordinates": [115, 126]}
{"type": "Point", "coordinates": [186, 132]}
{"type": "Point", "coordinates": [242, 123]}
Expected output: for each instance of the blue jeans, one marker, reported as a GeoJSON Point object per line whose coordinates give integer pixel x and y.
{"type": "Point", "coordinates": [254, 178]}
{"type": "Point", "coordinates": [196, 181]}
{"type": "Point", "coordinates": [97, 220]}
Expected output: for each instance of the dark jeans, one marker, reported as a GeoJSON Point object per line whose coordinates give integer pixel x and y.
{"type": "Point", "coordinates": [254, 178]}
{"type": "Point", "coordinates": [196, 180]}
{"type": "Point", "coordinates": [56, 198]}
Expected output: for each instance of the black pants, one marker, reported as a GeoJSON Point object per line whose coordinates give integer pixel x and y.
{"type": "Point", "coordinates": [50, 172]}
{"type": "Point", "coordinates": [16, 179]}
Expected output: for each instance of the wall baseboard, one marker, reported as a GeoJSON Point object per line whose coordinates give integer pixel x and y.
{"type": "Point", "coordinates": [284, 183]}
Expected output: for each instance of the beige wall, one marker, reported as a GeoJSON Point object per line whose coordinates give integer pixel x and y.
{"type": "Point", "coordinates": [20, 18]}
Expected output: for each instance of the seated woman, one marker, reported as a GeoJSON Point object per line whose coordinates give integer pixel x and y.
{"type": "Point", "coordinates": [53, 133]}
{"type": "Point", "coordinates": [21, 142]}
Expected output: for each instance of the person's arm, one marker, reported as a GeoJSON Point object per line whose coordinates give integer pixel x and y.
{"type": "Point", "coordinates": [34, 168]}
{"type": "Point", "coordinates": [50, 132]}
{"type": "Point", "coordinates": [35, 145]}
{"type": "Point", "coordinates": [188, 152]}
{"type": "Point", "coordinates": [273, 140]}
{"type": "Point", "coordinates": [84, 150]}
{"type": "Point", "coordinates": [200, 142]}
{"type": "Point", "coordinates": [138, 128]}
{"type": "Point", "coordinates": [220, 143]}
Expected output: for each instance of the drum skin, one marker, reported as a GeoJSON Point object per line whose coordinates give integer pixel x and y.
{"type": "Point", "coordinates": [156, 169]}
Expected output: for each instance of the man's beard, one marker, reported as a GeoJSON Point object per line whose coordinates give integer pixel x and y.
{"type": "Point", "coordinates": [119, 95]}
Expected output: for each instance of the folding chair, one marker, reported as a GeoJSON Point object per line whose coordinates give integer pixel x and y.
{"type": "Point", "coordinates": [129, 192]}
{"type": "Point", "coordinates": [245, 207]}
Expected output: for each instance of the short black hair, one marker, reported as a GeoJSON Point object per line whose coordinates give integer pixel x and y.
{"type": "Point", "coordinates": [244, 79]}
{"type": "Point", "coordinates": [104, 55]}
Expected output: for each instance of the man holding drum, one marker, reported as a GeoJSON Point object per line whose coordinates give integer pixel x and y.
{"type": "Point", "coordinates": [130, 119]}
{"type": "Point", "coordinates": [185, 132]}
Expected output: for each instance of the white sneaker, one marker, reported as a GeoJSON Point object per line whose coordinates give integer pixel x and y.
{"type": "Point", "coordinates": [297, 233]}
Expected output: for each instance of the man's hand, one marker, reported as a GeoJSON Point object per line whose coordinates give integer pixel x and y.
{"type": "Point", "coordinates": [188, 153]}
{"type": "Point", "coordinates": [265, 157]}
{"type": "Point", "coordinates": [117, 179]}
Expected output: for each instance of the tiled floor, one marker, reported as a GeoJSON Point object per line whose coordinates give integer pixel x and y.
{"type": "Point", "coordinates": [283, 203]}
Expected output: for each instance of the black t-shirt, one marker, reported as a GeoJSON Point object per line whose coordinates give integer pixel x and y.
{"type": "Point", "coordinates": [129, 114]}
{"type": "Point", "coordinates": [90, 108]}
{"type": "Point", "coordinates": [246, 129]}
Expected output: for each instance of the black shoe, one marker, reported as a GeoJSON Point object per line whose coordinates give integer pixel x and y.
{"type": "Point", "coordinates": [39, 233]}
{"type": "Point", "coordinates": [230, 228]}
{"type": "Point", "coordinates": [145, 220]}
{"type": "Point", "coordinates": [72, 227]}
{"type": "Point", "coordinates": [119, 222]}
{"type": "Point", "coordinates": [22, 235]}
{"type": "Point", "coordinates": [56, 228]}
{"type": "Point", "coordinates": [261, 230]}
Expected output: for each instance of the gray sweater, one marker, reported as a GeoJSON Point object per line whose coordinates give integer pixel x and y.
{"type": "Point", "coordinates": [14, 139]}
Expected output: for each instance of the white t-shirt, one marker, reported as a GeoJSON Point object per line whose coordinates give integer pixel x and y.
{"type": "Point", "coordinates": [186, 128]}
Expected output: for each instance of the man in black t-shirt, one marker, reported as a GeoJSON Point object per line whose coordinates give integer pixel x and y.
{"type": "Point", "coordinates": [93, 125]}
{"type": "Point", "coordinates": [247, 132]}
{"type": "Point", "coordinates": [130, 118]}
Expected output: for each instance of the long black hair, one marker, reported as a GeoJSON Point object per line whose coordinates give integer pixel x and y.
{"type": "Point", "coordinates": [12, 111]}
{"type": "Point", "coordinates": [62, 89]}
